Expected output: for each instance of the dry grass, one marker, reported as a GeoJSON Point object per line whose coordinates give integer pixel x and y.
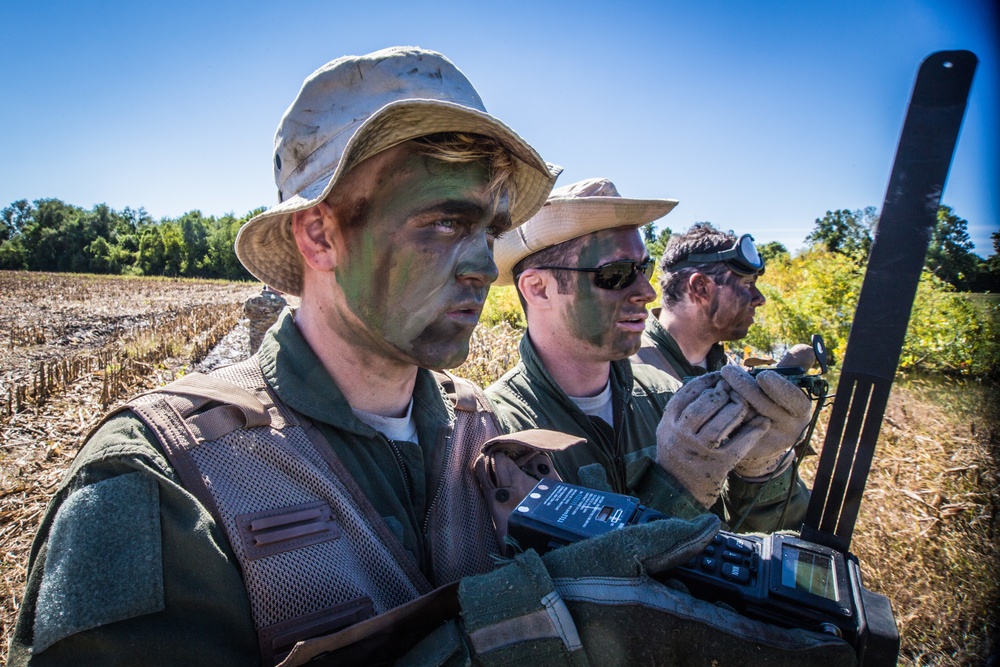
{"type": "Point", "coordinates": [927, 536]}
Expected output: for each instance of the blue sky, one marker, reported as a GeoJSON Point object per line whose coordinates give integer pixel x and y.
{"type": "Point", "coordinates": [757, 116]}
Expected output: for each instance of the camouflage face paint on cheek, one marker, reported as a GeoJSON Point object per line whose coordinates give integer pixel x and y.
{"type": "Point", "coordinates": [399, 273]}
{"type": "Point", "coordinates": [591, 316]}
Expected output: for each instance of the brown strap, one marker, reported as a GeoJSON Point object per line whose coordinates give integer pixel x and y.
{"type": "Point", "coordinates": [382, 639]}
{"type": "Point", "coordinates": [377, 522]}
{"type": "Point", "coordinates": [460, 391]}
{"type": "Point", "coordinates": [176, 438]}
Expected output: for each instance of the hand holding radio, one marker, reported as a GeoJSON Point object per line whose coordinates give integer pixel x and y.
{"type": "Point", "coordinates": [704, 433]}
{"type": "Point", "coordinates": [781, 403]}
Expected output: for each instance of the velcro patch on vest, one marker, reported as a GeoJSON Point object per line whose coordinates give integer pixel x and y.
{"type": "Point", "coordinates": [104, 559]}
{"type": "Point", "coordinates": [286, 528]}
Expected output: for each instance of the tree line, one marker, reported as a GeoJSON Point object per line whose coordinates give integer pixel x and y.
{"type": "Point", "coordinates": [950, 255]}
{"type": "Point", "coordinates": [51, 235]}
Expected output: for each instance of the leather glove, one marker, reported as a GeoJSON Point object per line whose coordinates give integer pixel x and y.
{"type": "Point", "coordinates": [801, 355]}
{"type": "Point", "coordinates": [783, 404]}
{"type": "Point", "coordinates": [704, 433]}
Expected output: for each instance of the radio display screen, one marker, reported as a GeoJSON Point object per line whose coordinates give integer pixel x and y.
{"type": "Point", "coordinates": [808, 571]}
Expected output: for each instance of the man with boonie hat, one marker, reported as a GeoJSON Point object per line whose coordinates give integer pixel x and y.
{"type": "Point", "coordinates": [708, 283]}
{"type": "Point", "coordinates": [321, 497]}
{"type": "Point", "coordinates": [582, 275]}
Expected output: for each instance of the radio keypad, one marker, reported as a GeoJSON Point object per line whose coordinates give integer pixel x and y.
{"type": "Point", "coordinates": [729, 558]}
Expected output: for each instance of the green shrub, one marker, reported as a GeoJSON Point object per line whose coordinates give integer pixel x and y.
{"type": "Point", "coordinates": [817, 292]}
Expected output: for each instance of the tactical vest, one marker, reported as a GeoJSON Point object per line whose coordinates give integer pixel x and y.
{"type": "Point", "coordinates": [315, 555]}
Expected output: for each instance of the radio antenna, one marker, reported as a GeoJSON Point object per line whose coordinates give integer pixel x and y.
{"type": "Point", "coordinates": [899, 248]}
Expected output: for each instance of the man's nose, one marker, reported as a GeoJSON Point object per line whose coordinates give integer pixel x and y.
{"type": "Point", "coordinates": [643, 291]}
{"type": "Point", "coordinates": [476, 261]}
{"type": "Point", "coordinates": [758, 298]}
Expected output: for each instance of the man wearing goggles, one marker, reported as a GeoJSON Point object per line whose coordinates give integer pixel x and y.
{"type": "Point", "coordinates": [709, 286]}
{"type": "Point", "coordinates": [582, 275]}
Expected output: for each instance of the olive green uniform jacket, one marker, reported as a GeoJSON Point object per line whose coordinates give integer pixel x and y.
{"type": "Point", "coordinates": [623, 458]}
{"type": "Point", "coordinates": [656, 337]}
{"type": "Point", "coordinates": [136, 570]}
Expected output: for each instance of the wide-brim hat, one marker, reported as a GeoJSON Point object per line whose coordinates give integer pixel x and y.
{"type": "Point", "coordinates": [570, 212]}
{"type": "Point", "coordinates": [354, 108]}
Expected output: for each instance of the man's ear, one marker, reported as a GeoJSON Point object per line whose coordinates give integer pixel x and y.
{"type": "Point", "coordinates": [536, 287]}
{"type": "Point", "coordinates": [701, 287]}
{"type": "Point", "coordinates": [315, 232]}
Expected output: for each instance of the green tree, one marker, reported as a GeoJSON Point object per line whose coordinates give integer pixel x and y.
{"type": "Point", "coordinates": [12, 219]}
{"type": "Point", "coordinates": [846, 232]}
{"type": "Point", "coordinates": [950, 254]}
{"type": "Point", "coordinates": [773, 251]}
{"type": "Point", "coordinates": [655, 242]}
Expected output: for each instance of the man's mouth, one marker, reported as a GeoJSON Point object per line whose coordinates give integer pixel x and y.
{"type": "Point", "coordinates": [466, 313]}
{"type": "Point", "coordinates": [634, 323]}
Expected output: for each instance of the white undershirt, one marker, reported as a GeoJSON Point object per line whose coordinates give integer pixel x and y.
{"type": "Point", "coordinates": [403, 428]}
{"type": "Point", "coordinates": [597, 406]}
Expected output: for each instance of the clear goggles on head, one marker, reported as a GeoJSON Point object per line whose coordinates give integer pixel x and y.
{"type": "Point", "coordinates": [742, 258]}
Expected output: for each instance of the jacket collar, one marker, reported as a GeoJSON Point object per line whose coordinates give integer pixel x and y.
{"type": "Point", "coordinates": [621, 375]}
{"type": "Point", "coordinates": [298, 378]}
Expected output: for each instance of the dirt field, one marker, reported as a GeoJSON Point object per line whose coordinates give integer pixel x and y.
{"type": "Point", "coordinates": [71, 346]}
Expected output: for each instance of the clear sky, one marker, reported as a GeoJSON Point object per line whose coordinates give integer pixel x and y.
{"type": "Point", "coordinates": [757, 116]}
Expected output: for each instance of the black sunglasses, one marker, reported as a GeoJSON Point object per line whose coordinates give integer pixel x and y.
{"type": "Point", "coordinates": [613, 275]}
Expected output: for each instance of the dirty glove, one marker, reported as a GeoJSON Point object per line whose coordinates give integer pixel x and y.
{"type": "Point", "coordinates": [783, 404]}
{"type": "Point", "coordinates": [801, 355]}
{"type": "Point", "coordinates": [517, 614]}
{"type": "Point", "coordinates": [702, 435]}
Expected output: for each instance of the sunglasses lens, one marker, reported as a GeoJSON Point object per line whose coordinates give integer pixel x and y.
{"type": "Point", "coordinates": [619, 275]}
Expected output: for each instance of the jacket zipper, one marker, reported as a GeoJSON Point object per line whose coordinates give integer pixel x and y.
{"type": "Point", "coordinates": [402, 467]}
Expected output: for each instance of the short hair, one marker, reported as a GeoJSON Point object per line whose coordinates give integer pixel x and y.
{"type": "Point", "coordinates": [560, 254]}
{"type": "Point", "coordinates": [701, 238]}
{"type": "Point", "coordinates": [463, 148]}
{"type": "Point", "coordinates": [452, 148]}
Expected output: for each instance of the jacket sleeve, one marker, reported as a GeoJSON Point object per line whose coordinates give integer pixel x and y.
{"type": "Point", "coordinates": [128, 568]}
{"type": "Point", "coordinates": [759, 507]}
{"type": "Point", "coordinates": [762, 503]}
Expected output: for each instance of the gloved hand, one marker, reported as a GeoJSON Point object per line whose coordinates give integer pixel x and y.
{"type": "Point", "coordinates": [801, 355]}
{"type": "Point", "coordinates": [702, 435]}
{"type": "Point", "coordinates": [783, 404]}
{"type": "Point", "coordinates": [517, 615]}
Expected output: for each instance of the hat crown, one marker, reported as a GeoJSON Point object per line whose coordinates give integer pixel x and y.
{"type": "Point", "coordinates": [591, 187]}
{"type": "Point", "coordinates": [340, 96]}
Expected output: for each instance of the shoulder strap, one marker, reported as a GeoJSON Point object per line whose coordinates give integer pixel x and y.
{"type": "Point", "coordinates": [172, 413]}
{"type": "Point", "coordinates": [460, 391]}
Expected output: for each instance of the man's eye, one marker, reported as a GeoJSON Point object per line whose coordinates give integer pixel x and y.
{"type": "Point", "coordinates": [446, 224]}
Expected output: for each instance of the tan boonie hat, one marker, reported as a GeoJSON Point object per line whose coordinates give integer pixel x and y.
{"type": "Point", "coordinates": [571, 211]}
{"type": "Point", "coordinates": [353, 108]}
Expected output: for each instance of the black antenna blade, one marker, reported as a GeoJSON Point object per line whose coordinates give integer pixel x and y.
{"type": "Point", "coordinates": [904, 231]}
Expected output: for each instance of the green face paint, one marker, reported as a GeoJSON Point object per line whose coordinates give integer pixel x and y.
{"type": "Point", "coordinates": [419, 259]}
{"type": "Point", "coordinates": [609, 322]}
